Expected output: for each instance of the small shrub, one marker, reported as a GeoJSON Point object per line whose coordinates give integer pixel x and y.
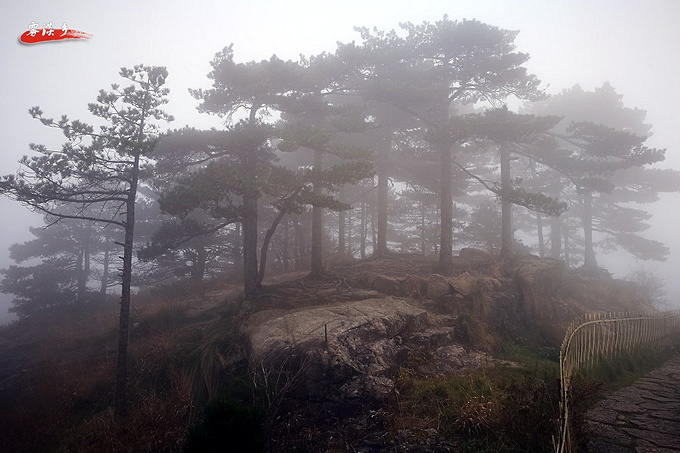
{"type": "Point", "coordinates": [439, 401]}
{"type": "Point", "coordinates": [473, 332]}
{"type": "Point", "coordinates": [583, 394]}
{"type": "Point", "coordinates": [160, 317]}
{"type": "Point", "coordinates": [478, 298]}
{"type": "Point", "coordinates": [529, 410]}
{"type": "Point", "coordinates": [477, 445]}
{"type": "Point", "coordinates": [477, 415]}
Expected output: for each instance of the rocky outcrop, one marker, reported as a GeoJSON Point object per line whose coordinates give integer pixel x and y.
{"type": "Point", "coordinates": [539, 280]}
{"type": "Point", "coordinates": [338, 352]}
{"type": "Point", "coordinates": [476, 255]}
{"type": "Point", "coordinates": [353, 350]}
{"type": "Point", "coordinates": [437, 286]}
{"type": "Point", "coordinates": [350, 347]}
{"type": "Point", "coordinates": [433, 286]}
{"type": "Point", "coordinates": [451, 359]}
{"type": "Point", "coordinates": [385, 284]}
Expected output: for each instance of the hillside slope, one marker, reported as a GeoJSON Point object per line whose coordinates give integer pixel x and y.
{"type": "Point", "coordinates": [324, 357]}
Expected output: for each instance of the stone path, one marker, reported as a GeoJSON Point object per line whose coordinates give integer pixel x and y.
{"type": "Point", "coordinates": [644, 417]}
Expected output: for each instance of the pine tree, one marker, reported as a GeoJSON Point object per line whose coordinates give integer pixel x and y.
{"type": "Point", "coordinates": [97, 173]}
{"type": "Point", "coordinates": [429, 69]}
{"type": "Point", "coordinates": [606, 163]}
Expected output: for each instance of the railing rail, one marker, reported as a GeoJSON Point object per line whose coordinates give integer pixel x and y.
{"type": "Point", "coordinates": [594, 337]}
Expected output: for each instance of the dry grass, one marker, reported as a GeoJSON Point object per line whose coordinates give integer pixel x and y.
{"type": "Point", "coordinates": [47, 398]}
{"type": "Point", "coordinates": [183, 356]}
{"type": "Point", "coordinates": [156, 423]}
{"type": "Point", "coordinates": [65, 407]}
{"type": "Point", "coordinates": [501, 411]}
{"type": "Point", "coordinates": [477, 415]}
{"type": "Point", "coordinates": [473, 332]}
{"type": "Point", "coordinates": [57, 388]}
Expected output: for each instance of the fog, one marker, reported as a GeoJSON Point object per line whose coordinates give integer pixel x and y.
{"type": "Point", "coordinates": [630, 44]}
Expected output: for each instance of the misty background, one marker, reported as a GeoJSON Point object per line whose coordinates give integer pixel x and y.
{"type": "Point", "coordinates": [630, 44]}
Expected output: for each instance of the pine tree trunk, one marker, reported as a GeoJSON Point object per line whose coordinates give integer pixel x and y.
{"type": "Point", "coordinates": [374, 237]}
{"type": "Point", "coordinates": [297, 229]}
{"type": "Point", "coordinates": [317, 225]}
{"type": "Point", "coordinates": [539, 228]}
{"type": "Point", "coordinates": [589, 261]}
{"type": "Point", "coordinates": [81, 279]}
{"type": "Point", "coordinates": [250, 269]}
{"type": "Point", "coordinates": [120, 393]}
{"type": "Point", "coordinates": [265, 246]}
{"type": "Point", "coordinates": [286, 245]}
{"type": "Point", "coordinates": [105, 273]}
{"type": "Point", "coordinates": [198, 268]}
{"type": "Point", "coordinates": [506, 206]}
{"type": "Point", "coordinates": [435, 243]}
{"type": "Point", "coordinates": [348, 233]}
{"type": "Point", "coordinates": [423, 208]}
{"type": "Point", "coordinates": [83, 274]}
{"type": "Point", "coordinates": [316, 263]}
{"type": "Point", "coordinates": [446, 208]}
{"type": "Point", "coordinates": [237, 257]}
{"type": "Point", "coordinates": [86, 263]}
{"type": "Point", "coordinates": [566, 247]}
{"type": "Point", "coordinates": [341, 232]}
{"type": "Point", "coordinates": [301, 225]}
{"type": "Point", "coordinates": [250, 199]}
{"type": "Point", "coordinates": [364, 232]}
{"type": "Point", "coordinates": [382, 164]}
{"type": "Point", "coordinates": [555, 237]}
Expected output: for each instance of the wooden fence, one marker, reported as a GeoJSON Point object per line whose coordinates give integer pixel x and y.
{"type": "Point", "coordinates": [594, 337]}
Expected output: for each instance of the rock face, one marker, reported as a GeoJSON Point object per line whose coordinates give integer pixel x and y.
{"type": "Point", "coordinates": [481, 256]}
{"type": "Point", "coordinates": [330, 351]}
{"type": "Point", "coordinates": [539, 280]}
{"type": "Point", "coordinates": [351, 351]}
{"type": "Point", "coordinates": [353, 347]}
{"type": "Point", "coordinates": [437, 286]}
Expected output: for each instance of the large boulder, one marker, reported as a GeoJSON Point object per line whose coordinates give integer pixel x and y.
{"type": "Point", "coordinates": [437, 286]}
{"type": "Point", "coordinates": [454, 359]}
{"type": "Point", "coordinates": [465, 284]}
{"type": "Point", "coordinates": [384, 284]}
{"type": "Point", "coordinates": [413, 286]}
{"type": "Point", "coordinates": [473, 258]}
{"type": "Point", "coordinates": [345, 350]}
{"type": "Point", "coordinates": [476, 254]}
{"type": "Point", "coordinates": [539, 280]}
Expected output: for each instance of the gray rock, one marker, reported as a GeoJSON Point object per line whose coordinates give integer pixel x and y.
{"type": "Point", "coordinates": [385, 284]}
{"type": "Point", "coordinates": [353, 346]}
{"type": "Point", "coordinates": [349, 352]}
{"type": "Point", "coordinates": [413, 286]}
{"type": "Point", "coordinates": [476, 255]}
{"type": "Point", "coordinates": [437, 286]}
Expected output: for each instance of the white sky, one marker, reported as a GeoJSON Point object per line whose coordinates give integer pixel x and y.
{"type": "Point", "coordinates": [633, 44]}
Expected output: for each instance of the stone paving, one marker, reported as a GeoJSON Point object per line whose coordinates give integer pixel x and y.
{"type": "Point", "coordinates": [644, 417]}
